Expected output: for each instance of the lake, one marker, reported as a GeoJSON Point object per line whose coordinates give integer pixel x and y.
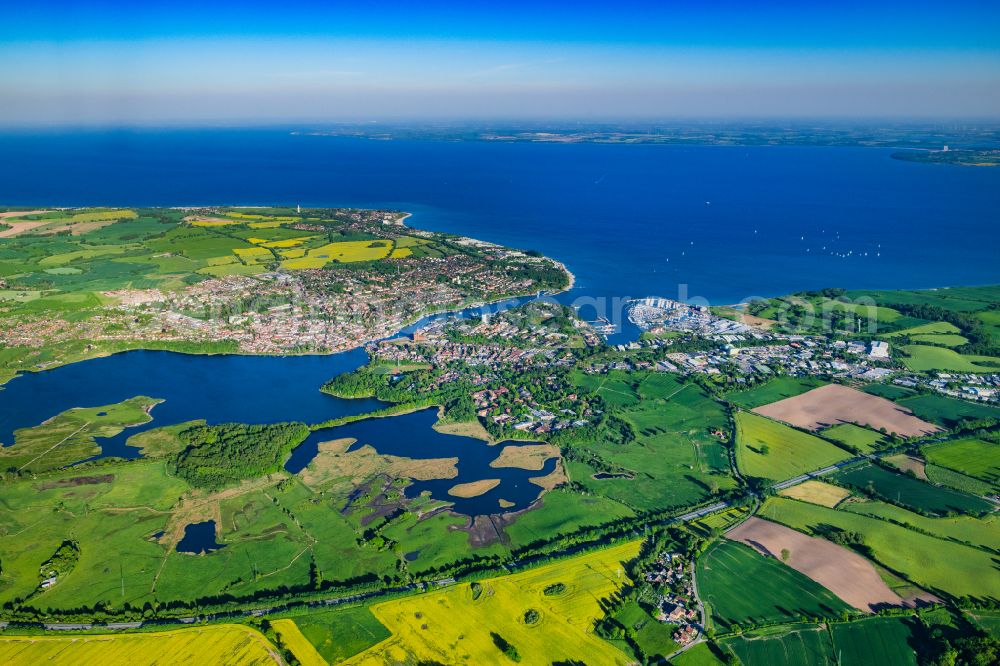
{"type": "Point", "coordinates": [199, 538]}
{"type": "Point", "coordinates": [412, 436]}
{"type": "Point", "coordinates": [220, 389]}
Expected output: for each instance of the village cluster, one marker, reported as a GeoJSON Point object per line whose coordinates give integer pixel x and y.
{"type": "Point", "coordinates": [274, 313]}
{"type": "Point", "coordinates": [676, 601]}
{"type": "Point", "coordinates": [491, 353]}
{"type": "Point", "coordinates": [749, 350]}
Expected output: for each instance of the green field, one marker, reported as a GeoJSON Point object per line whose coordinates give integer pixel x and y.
{"type": "Point", "coordinates": [807, 645]}
{"type": "Point", "coordinates": [886, 641]}
{"type": "Point", "coordinates": [771, 450]}
{"type": "Point", "coordinates": [956, 299]}
{"type": "Point", "coordinates": [942, 339]}
{"type": "Point", "coordinates": [991, 320]}
{"type": "Point", "coordinates": [773, 390]}
{"type": "Point", "coordinates": [983, 532]}
{"type": "Point", "coordinates": [989, 621]}
{"type": "Point", "coordinates": [943, 476]}
{"type": "Point", "coordinates": [948, 411]}
{"type": "Point", "coordinates": [674, 459]}
{"type": "Point", "coordinates": [972, 457]}
{"type": "Point", "coordinates": [942, 566]}
{"type": "Point", "coordinates": [922, 358]}
{"type": "Point", "coordinates": [740, 586]}
{"type": "Point", "coordinates": [617, 387]}
{"type": "Point", "coordinates": [935, 333]}
{"type": "Point", "coordinates": [339, 634]}
{"type": "Point", "coordinates": [699, 655]}
{"type": "Point", "coordinates": [650, 635]}
{"type": "Point", "coordinates": [888, 391]}
{"type": "Point", "coordinates": [561, 510]}
{"type": "Point", "coordinates": [878, 640]}
{"type": "Point", "coordinates": [933, 328]}
{"type": "Point", "coordinates": [910, 492]}
{"type": "Point", "coordinates": [859, 438]}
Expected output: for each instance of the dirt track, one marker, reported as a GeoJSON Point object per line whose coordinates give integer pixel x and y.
{"type": "Point", "coordinates": [846, 574]}
{"type": "Point", "coordinates": [832, 404]}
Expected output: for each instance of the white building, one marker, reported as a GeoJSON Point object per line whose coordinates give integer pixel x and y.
{"type": "Point", "coordinates": [878, 349]}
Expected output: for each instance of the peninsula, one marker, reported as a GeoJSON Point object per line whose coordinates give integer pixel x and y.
{"type": "Point", "coordinates": [80, 283]}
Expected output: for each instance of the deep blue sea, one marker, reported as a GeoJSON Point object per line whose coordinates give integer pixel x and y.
{"type": "Point", "coordinates": [628, 220]}
{"type": "Point", "coordinates": [721, 224]}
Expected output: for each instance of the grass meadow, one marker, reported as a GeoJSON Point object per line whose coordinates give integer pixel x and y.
{"type": "Point", "coordinates": [982, 532]}
{"type": "Point", "coordinates": [878, 640]}
{"type": "Point", "coordinates": [948, 411]}
{"type": "Point", "coordinates": [773, 390]}
{"type": "Point", "coordinates": [972, 457]}
{"type": "Point", "coordinates": [910, 492]}
{"type": "Point", "coordinates": [802, 645]}
{"type": "Point", "coordinates": [771, 450]}
{"type": "Point", "coordinates": [340, 634]}
{"type": "Point", "coordinates": [858, 438]}
{"type": "Point", "coordinates": [924, 358]}
{"type": "Point", "coordinates": [674, 460]}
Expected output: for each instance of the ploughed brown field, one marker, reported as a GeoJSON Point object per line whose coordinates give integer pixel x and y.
{"type": "Point", "coordinates": [832, 404]}
{"type": "Point", "coordinates": [843, 572]}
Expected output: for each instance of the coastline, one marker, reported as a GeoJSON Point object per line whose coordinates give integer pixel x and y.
{"type": "Point", "coordinates": [569, 274]}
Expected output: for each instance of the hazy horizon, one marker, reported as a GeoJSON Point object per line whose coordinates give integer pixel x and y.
{"type": "Point", "coordinates": [116, 63]}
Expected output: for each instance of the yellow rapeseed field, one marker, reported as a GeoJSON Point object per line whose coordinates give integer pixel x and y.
{"type": "Point", "coordinates": [212, 645]}
{"type": "Point", "coordinates": [100, 216]}
{"type": "Point", "coordinates": [450, 626]}
{"type": "Point", "coordinates": [253, 255]}
{"type": "Point", "coordinates": [300, 646]}
{"type": "Point", "coordinates": [344, 251]}
{"type": "Point", "coordinates": [288, 242]}
{"type": "Point", "coordinates": [213, 223]}
{"type": "Point", "coordinates": [247, 216]}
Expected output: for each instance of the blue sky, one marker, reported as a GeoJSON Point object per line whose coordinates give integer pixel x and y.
{"type": "Point", "coordinates": [187, 62]}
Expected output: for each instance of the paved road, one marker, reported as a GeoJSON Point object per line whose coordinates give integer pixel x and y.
{"type": "Point", "coordinates": [781, 485]}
